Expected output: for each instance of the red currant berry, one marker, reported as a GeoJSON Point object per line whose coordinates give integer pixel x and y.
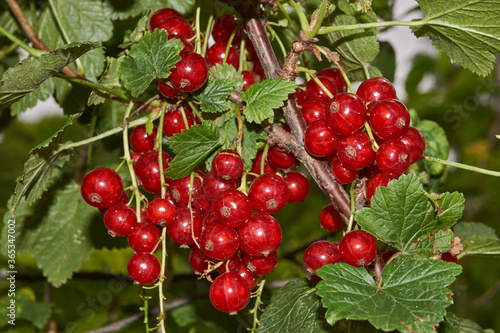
{"type": "Point", "coordinates": [230, 265]}
{"type": "Point", "coordinates": [335, 75]}
{"type": "Point", "coordinates": [219, 242]}
{"type": "Point", "coordinates": [176, 27]}
{"type": "Point", "coordinates": [358, 248]}
{"type": "Point", "coordinates": [213, 185]}
{"type": "Point", "coordinates": [321, 253]}
{"type": "Point", "coordinates": [393, 158]}
{"type": "Point", "coordinates": [148, 171]}
{"type": "Point", "coordinates": [268, 193]}
{"type": "Point", "coordinates": [209, 219]}
{"type": "Point", "coordinates": [161, 15]}
{"type": "Point", "coordinates": [190, 73]}
{"type": "Point", "coordinates": [180, 188]}
{"type": "Point", "coordinates": [376, 89]}
{"type": "Point", "coordinates": [313, 90]}
{"type": "Point", "coordinates": [227, 164]}
{"type": "Point", "coordinates": [216, 54]}
{"type": "Point", "coordinates": [173, 122]}
{"type": "Point", "coordinates": [313, 109]}
{"type": "Point", "coordinates": [261, 235]}
{"type": "Point", "coordinates": [188, 46]}
{"type": "Point", "coordinates": [299, 95]}
{"type": "Point", "coordinates": [371, 171]}
{"type": "Point", "coordinates": [166, 90]}
{"type": "Point", "coordinates": [186, 224]}
{"type": "Point", "coordinates": [330, 218]}
{"type": "Point", "coordinates": [260, 265]}
{"type": "Point", "coordinates": [123, 200]}
{"type": "Point", "coordinates": [141, 141]}
{"type": "Point", "coordinates": [355, 151]}
{"type": "Point", "coordinates": [281, 159]}
{"type": "Point", "coordinates": [144, 237]}
{"type": "Point", "coordinates": [232, 208]}
{"type": "Point", "coordinates": [144, 268]}
{"type": "Point", "coordinates": [102, 188]}
{"type": "Point", "coordinates": [119, 220]}
{"type": "Point", "coordinates": [319, 139]}
{"type": "Point", "coordinates": [379, 180]}
{"type": "Point", "coordinates": [257, 164]}
{"type": "Point", "coordinates": [415, 142]}
{"type": "Point", "coordinates": [229, 293]}
{"type": "Point", "coordinates": [197, 260]}
{"type": "Point", "coordinates": [161, 211]}
{"type": "Point", "coordinates": [389, 119]}
{"type": "Point", "coordinates": [224, 26]}
{"type": "Point", "coordinates": [250, 278]}
{"type": "Point", "coordinates": [345, 114]}
{"type": "Point", "coordinates": [298, 186]}
{"type": "Point", "coordinates": [342, 174]}
{"type": "Point", "coordinates": [249, 78]}
{"type": "Point", "coordinates": [201, 203]}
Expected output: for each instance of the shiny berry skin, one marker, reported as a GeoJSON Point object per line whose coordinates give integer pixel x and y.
{"type": "Point", "coordinates": [188, 46]}
{"type": "Point", "coordinates": [299, 95]}
{"type": "Point", "coordinates": [389, 119]}
{"type": "Point", "coordinates": [184, 226]}
{"type": "Point", "coordinates": [166, 90]}
{"type": "Point", "coordinates": [144, 268]}
{"type": "Point", "coordinates": [213, 185]}
{"type": "Point", "coordinates": [319, 139]}
{"type": "Point", "coordinates": [190, 73]}
{"type": "Point", "coordinates": [223, 28]}
{"type": "Point", "coordinates": [321, 253]}
{"type": "Point", "coordinates": [119, 220]}
{"type": "Point", "coordinates": [355, 151]}
{"type": "Point", "coordinates": [123, 200]}
{"type": "Point", "coordinates": [358, 248]}
{"type": "Point", "coordinates": [379, 180]}
{"type": "Point", "coordinates": [144, 237]}
{"type": "Point", "coordinates": [393, 158]}
{"type": "Point", "coordinates": [161, 15]}
{"type": "Point", "coordinates": [197, 260]}
{"type": "Point", "coordinates": [342, 174]}
{"type": "Point", "coordinates": [180, 188]}
{"type": "Point", "coordinates": [230, 265]}
{"type": "Point", "coordinates": [173, 122]}
{"type": "Point", "coordinates": [415, 142]}
{"type": "Point", "coordinates": [232, 208]}
{"type": "Point", "coordinates": [148, 171]}
{"type": "Point", "coordinates": [261, 235]}
{"type": "Point", "coordinates": [335, 75]}
{"type": "Point", "coordinates": [161, 211]}
{"type": "Point", "coordinates": [329, 218]}
{"type": "Point", "coordinates": [216, 54]}
{"type": "Point", "coordinates": [176, 26]}
{"type": "Point", "coordinates": [201, 203]}
{"type": "Point", "coordinates": [345, 114]}
{"type": "Point", "coordinates": [260, 265]}
{"type": "Point", "coordinates": [268, 193]}
{"type": "Point", "coordinates": [249, 78]}
{"type": "Point", "coordinates": [376, 89]}
{"type": "Point", "coordinates": [281, 159]}
{"type": "Point", "coordinates": [313, 90]}
{"type": "Point", "coordinates": [227, 164]}
{"type": "Point", "coordinates": [141, 141]}
{"type": "Point", "coordinates": [250, 278]}
{"type": "Point", "coordinates": [102, 188]}
{"type": "Point", "coordinates": [298, 186]}
{"type": "Point", "coordinates": [257, 163]}
{"type": "Point", "coordinates": [209, 220]}
{"type": "Point", "coordinates": [229, 293]}
{"type": "Point", "coordinates": [313, 109]}
{"type": "Point", "coordinates": [219, 242]}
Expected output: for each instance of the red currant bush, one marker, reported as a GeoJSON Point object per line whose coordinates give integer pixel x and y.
{"type": "Point", "coordinates": [102, 188]}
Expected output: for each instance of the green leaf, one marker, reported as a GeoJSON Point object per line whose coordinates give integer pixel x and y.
{"type": "Point", "coordinates": [43, 167]}
{"type": "Point", "coordinates": [225, 71]}
{"type": "Point", "coordinates": [451, 324]}
{"type": "Point", "coordinates": [352, 7]}
{"type": "Point", "coordinates": [401, 214]}
{"type": "Point", "coordinates": [437, 145]}
{"type": "Point", "coordinates": [294, 308]}
{"type": "Point", "coordinates": [110, 79]}
{"type": "Point", "coordinates": [191, 147]}
{"type": "Point", "coordinates": [466, 30]}
{"type": "Point", "coordinates": [38, 313]}
{"type": "Point", "coordinates": [433, 245]}
{"type": "Point", "coordinates": [135, 35]}
{"type": "Point", "coordinates": [214, 96]}
{"type": "Point", "coordinates": [477, 238]}
{"type": "Point", "coordinates": [468, 326]}
{"type": "Point", "coordinates": [30, 73]}
{"type": "Point", "coordinates": [42, 93]}
{"type": "Point", "coordinates": [152, 57]}
{"type": "Point", "coordinates": [356, 48]}
{"type": "Point", "coordinates": [412, 297]}
{"type": "Point", "coordinates": [261, 98]}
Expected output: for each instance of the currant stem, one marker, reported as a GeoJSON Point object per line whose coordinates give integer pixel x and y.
{"type": "Point", "coordinates": [258, 302]}
{"type": "Point", "coordinates": [264, 157]}
{"type": "Point", "coordinates": [319, 83]}
{"type": "Point", "coordinates": [278, 39]}
{"type": "Point", "coordinates": [375, 146]}
{"type": "Point", "coordinates": [93, 85]}
{"type": "Point", "coordinates": [344, 75]}
{"type": "Point", "coordinates": [31, 51]}
{"type": "Point", "coordinates": [239, 148]}
{"type": "Point", "coordinates": [184, 118]}
{"type": "Point", "coordinates": [326, 30]}
{"type": "Point", "coordinates": [159, 139]}
{"type": "Point", "coordinates": [462, 166]}
{"type": "Point", "coordinates": [353, 207]}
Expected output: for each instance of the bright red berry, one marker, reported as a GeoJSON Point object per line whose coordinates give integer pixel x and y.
{"type": "Point", "coordinates": [141, 141]}
{"type": "Point", "coordinates": [393, 158]}
{"type": "Point", "coordinates": [257, 164]}
{"type": "Point", "coordinates": [249, 78]}
{"type": "Point", "coordinates": [355, 151]}
{"type": "Point", "coordinates": [197, 260]}
{"type": "Point", "coordinates": [281, 159]}
{"type": "Point", "coordinates": [216, 54]}
{"type": "Point", "coordinates": [313, 110]}
{"type": "Point", "coordinates": [147, 169]}
{"type": "Point", "coordinates": [376, 89]}
{"type": "Point", "coordinates": [345, 114]}
{"type": "Point", "coordinates": [335, 75]}
{"type": "Point", "coordinates": [268, 193]}
{"type": "Point", "coordinates": [213, 185]}
{"type": "Point", "coordinates": [321, 253]}
{"type": "Point", "coordinates": [227, 164]}
{"type": "Point", "coordinates": [161, 15]}
{"type": "Point", "coordinates": [415, 142]}
{"type": "Point", "coordinates": [319, 139]}
{"type": "Point", "coordinates": [298, 186]}
{"type": "Point", "coordinates": [186, 224]}
{"type": "Point", "coordinates": [330, 218]}
{"type": "Point", "coordinates": [219, 242]}
{"type": "Point", "coordinates": [102, 188]}
{"type": "Point", "coordinates": [144, 237]}
{"type": "Point", "coordinates": [181, 188]}
{"type": "Point", "coordinates": [119, 220]}
{"type": "Point", "coordinates": [358, 248]}
{"type": "Point", "coordinates": [313, 90]}
{"type": "Point", "coordinates": [166, 90]}
{"type": "Point", "coordinates": [144, 268]}
{"type": "Point", "coordinates": [260, 265]}
{"type": "Point", "coordinates": [261, 235]}
{"type": "Point", "coordinates": [232, 208]}
{"type": "Point", "coordinates": [176, 27]}
{"type": "Point", "coordinates": [190, 73]}
{"type": "Point", "coordinates": [389, 119]}
{"type": "Point", "coordinates": [173, 122]}
{"type": "Point", "coordinates": [378, 180]}
{"type": "Point", "coordinates": [342, 174]}
{"type": "Point", "coordinates": [224, 26]}
{"type": "Point", "coordinates": [229, 293]}
{"type": "Point", "coordinates": [161, 211]}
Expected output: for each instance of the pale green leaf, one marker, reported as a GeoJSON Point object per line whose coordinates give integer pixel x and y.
{"type": "Point", "coordinates": [135, 35]}
{"type": "Point", "coordinates": [225, 71]}
{"type": "Point", "coordinates": [412, 298]}
{"type": "Point", "coordinates": [152, 57]}
{"type": "Point", "coordinates": [437, 145]}
{"type": "Point", "coordinates": [214, 96]}
{"type": "Point", "coordinates": [110, 79]}
{"type": "Point", "coordinates": [262, 97]}
{"type": "Point", "coordinates": [466, 30]}
{"type": "Point", "coordinates": [451, 324]}
{"type": "Point", "coordinates": [38, 313]}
